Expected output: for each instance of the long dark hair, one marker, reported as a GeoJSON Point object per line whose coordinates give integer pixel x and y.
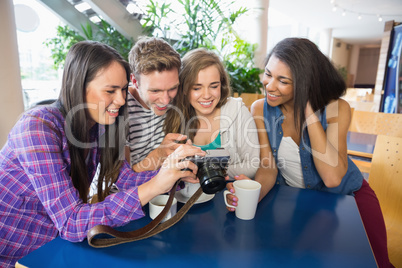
{"type": "Point", "coordinates": [182, 117]}
{"type": "Point", "coordinates": [315, 79]}
{"type": "Point", "coordinates": [83, 62]}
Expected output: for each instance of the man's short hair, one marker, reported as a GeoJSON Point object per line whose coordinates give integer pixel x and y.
{"type": "Point", "coordinates": [151, 54]}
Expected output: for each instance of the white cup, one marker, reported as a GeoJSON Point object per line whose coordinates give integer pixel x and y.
{"type": "Point", "coordinates": [189, 189]}
{"type": "Point", "coordinates": [157, 204]}
{"type": "Point", "coordinates": [247, 193]}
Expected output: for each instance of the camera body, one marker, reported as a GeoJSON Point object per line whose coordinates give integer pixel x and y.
{"type": "Point", "coordinates": [212, 169]}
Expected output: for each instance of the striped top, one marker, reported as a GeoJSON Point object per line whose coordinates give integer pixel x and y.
{"type": "Point", "coordinates": [145, 130]}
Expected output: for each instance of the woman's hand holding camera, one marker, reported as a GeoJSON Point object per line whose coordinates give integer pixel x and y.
{"type": "Point", "coordinates": [175, 167]}
{"type": "Point", "coordinates": [172, 169]}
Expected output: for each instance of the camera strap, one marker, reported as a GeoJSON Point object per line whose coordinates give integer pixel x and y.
{"type": "Point", "coordinates": [111, 237]}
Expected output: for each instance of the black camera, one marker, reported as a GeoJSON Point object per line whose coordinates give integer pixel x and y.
{"type": "Point", "coordinates": [212, 169]}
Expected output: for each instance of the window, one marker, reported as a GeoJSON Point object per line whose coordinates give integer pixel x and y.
{"type": "Point", "coordinates": [35, 23]}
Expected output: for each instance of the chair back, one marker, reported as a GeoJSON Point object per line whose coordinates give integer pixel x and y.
{"type": "Point", "coordinates": [386, 180]}
{"type": "Point", "coordinates": [376, 123]}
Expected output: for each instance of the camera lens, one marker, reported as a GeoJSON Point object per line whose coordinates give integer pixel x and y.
{"type": "Point", "coordinates": [212, 178]}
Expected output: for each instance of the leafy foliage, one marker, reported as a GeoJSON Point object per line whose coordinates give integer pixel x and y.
{"type": "Point", "coordinates": [155, 23]}
{"type": "Point", "coordinates": [60, 44]}
{"type": "Point", "coordinates": [343, 72]}
{"type": "Point", "coordinates": [200, 23]}
{"type": "Point", "coordinates": [103, 32]}
{"type": "Point", "coordinates": [244, 80]}
{"type": "Point", "coordinates": [209, 24]}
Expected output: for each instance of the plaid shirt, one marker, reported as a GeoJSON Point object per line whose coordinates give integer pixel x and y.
{"type": "Point", "coordinates": [38, 201]}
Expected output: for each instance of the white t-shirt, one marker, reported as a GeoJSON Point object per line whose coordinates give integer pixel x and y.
{"type": "Point", "coordinates": [289, 163]}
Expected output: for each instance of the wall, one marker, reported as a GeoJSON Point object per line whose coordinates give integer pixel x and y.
{"type": "Point", "coordinates": [11, 100]}
{"type": "Point", "coordinates": [360, 61]}
{"type": "Point", "coordinates": [253, 27]}
{"type": "Point", "coordinates": [367, 66]}
{"type": "Point", "coordinates": [353, 62]}
{"type": "Point", "coordinates": [341, 53]}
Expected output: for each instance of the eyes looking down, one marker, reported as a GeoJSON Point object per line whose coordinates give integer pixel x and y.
{"type": "Point", "coordinates": [158, 89]}
{"type": "Point", "coordinates": [106, 94]}
{"type": "Point", "coordinates": [278, 82]}
{"type": "Point", "coordinates": [205, 94]}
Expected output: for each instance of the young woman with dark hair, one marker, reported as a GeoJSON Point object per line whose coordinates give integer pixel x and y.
{"type": "Point", "coordinates": [303, 126]}
{"type": "Point", "coordinates": [53, 152]}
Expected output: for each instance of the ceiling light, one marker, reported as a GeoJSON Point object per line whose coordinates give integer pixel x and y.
{"type": "Point", "coordinates": [334, 9]}
{"type": "Point", "coordinates": [82, 7]}
{"type": "Point", "coordinates": [359, 17]}
{"type": "Point", "coordinates": [343, 13]}
{"type": "Point", "coordinates": [95, 19]}
{"type": "Point", "coordinates": [379, 18]}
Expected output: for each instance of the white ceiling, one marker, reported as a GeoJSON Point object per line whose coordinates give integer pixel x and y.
{"type": "Point", "coordinates": [319, 14]}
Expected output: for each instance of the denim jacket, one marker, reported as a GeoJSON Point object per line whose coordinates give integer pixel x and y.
{"type": "Point", "coordinates": [353, 178]}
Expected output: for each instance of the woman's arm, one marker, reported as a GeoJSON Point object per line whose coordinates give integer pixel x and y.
{"type": "Point", "coordinates": [247, 145]}
{"type": "Point", "coordinates": [42, 151]}
{"type": "Point", "coordinates": [267, 171]}
{"type": "Point", "coordinates": [329, 149]}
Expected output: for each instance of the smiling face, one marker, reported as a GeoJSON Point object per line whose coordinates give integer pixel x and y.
{"type": "Point", "coordinates": [206, 91]}
{"type": "Point", "coordinates": [106, 94]}
{"type": "Point", "coordinates": [157, 89]}
{"type": "Point", "coordinates": [278, 83]}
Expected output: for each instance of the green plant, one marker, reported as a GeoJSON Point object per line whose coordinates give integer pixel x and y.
{"type": "Point", "coordinates": [343, 71]}
{"type": "Point", "coordinates": [155, 24]}
{"type": "Point", "coordinates": [244, 80]}
{"type": "Point", "coordinates": [245, 77]}
{"type": "Point", "coordinates": [204, 24]}
{"type": "Point", "coordinates": [103, 32]}
{"type": "Point", "coordinates": [60, 44]}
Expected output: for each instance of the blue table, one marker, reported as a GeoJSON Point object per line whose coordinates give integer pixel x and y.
{"type": "Point", "coordinates": [292, 228]}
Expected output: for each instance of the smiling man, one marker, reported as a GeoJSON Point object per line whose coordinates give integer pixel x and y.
{"type": "Point", "coordinates": [155, 80]}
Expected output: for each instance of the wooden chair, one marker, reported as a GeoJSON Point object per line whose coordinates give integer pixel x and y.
{"type": "Point", "coordinates": [376, 123]}
{"type": "Point", "coordinates": [386, 180]}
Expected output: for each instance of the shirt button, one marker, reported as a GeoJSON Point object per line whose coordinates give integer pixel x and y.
{"type": "Point", "coordinates": [274, 150]}
{"type": "Point", "coordinates": [303, 148]}
{"type": "Point", "coordinates": [305, 167]}
{"type": "Point", "coordinates": [308, 186]}
{"type": "Point", "coordinates": [280, 132]}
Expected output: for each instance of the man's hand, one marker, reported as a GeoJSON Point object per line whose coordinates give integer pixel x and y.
{"type": "Point", "coordinates": [170, 143]}
{"type": "Point", "coordinates": [155, 158]}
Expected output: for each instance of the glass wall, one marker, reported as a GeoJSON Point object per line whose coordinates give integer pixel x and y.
{"type": "Point", "coordinates": [35, 24]}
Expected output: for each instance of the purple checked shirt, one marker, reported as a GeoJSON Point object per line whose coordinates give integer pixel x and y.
{"type": "Point", "coordinates": [38, 201]}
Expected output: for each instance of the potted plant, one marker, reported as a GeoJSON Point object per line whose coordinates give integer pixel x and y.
{"type": "Point", "coordinates": [204, 24]}
{"type": "Point", "coordinates": [104, 33]}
